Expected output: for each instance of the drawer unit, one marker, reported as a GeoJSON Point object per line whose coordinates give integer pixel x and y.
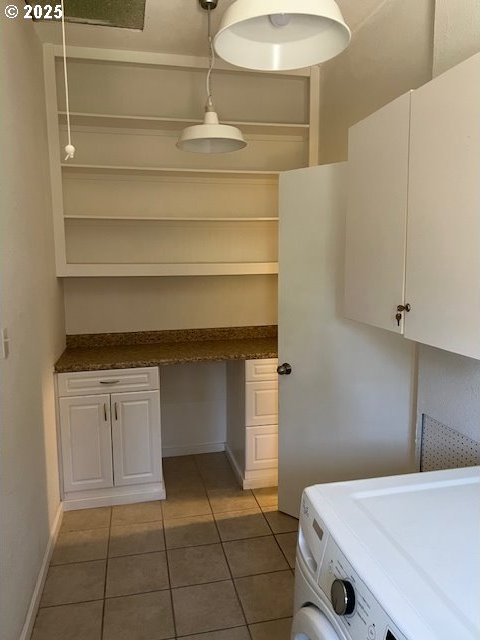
{"type": "Point", "coordinates": [259, 370]}
{"type": "Point", "coordinates": [252, 421]}
{"type": "Point", "coordinates": [117, 380]}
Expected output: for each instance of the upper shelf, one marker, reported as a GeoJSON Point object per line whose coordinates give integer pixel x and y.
{"type": "Point", "coordinates": [170, 171]}
{"type": "Point", "coordinates": [177, 124]}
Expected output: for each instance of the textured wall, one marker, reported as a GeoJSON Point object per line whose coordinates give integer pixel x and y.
{"type": "Point", "coordinates": [457, 32]}
{"type": "Point", "coordinates": [31, 309]}
{"type": "Point", "coordinates": [390, 54]}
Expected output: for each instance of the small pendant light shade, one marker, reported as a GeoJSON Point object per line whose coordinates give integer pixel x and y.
{"type": "Point", "coordinates": [211, 137]}
{"type": "Point", "coordinates": [279, 35]}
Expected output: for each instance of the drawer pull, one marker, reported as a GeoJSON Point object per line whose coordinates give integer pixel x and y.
{"type": "Point", "coordinates": [109, 381]}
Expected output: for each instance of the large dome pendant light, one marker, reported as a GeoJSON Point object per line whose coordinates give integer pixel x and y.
{"type": "Point", "coordinates": [211, 136]}
{"type": "Point", "coordinates": [281, 35]}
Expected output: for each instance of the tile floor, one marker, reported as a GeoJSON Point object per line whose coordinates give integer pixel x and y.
{"type": "Point", "coordinates": [212, 562]}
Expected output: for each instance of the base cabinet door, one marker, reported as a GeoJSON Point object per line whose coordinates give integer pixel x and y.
{"type": "Point", "coordinates": [137, 451]}
{"type": "Point", "coordinates": [86, 442]}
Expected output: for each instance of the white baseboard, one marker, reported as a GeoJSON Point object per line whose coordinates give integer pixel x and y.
{"type": "Point", "coordinates": [113, 496]}
{"type": "Point", "coordinates": [260, 479]}
{"type": "Point", "coordinates": [42, 576]}
{"type": "Point", "coordinates": [193, 449]}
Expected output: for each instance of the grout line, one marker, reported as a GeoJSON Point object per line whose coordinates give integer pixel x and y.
{"type": "Point", "coordinates": [106, 574]}
{"type": "Point", "coordinates": [226, 559]}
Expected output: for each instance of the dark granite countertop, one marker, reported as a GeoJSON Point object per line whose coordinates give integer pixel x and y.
{"type": "Point", "coordinates": [97, 352]}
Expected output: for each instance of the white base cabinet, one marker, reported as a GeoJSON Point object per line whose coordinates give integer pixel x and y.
{"type": "Point", "coordinates": [252, 422]}
{"type": "Point", "coordinates": [110, 443]}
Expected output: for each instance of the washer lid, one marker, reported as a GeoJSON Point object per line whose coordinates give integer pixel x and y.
{"type": "Point", "coordinates": [413, 539]}
{"type": "Point", "coordinates": [311, 624]}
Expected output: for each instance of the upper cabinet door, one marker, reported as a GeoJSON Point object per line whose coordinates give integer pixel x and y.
{"type": "Point", "coordinates": [443, 255]}
{"type": "Point", "coordinates": [137, 451]}
{"type": "Point", "coordinates": [377, 216]}
{"type": "Point", "coordinates": [86, 442]}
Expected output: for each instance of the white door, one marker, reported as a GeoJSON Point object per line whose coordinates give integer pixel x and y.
{"type": "Point", "coordinates": [346, 408]}
{"type": "Point", "coordinates": [443, 245]}
{"type": "Point", "coordinates": [311, 624]}
{"type": "Point", "coordinates": [137, 451]}
{"type": "Point", "coordinates": [86, 442]}
{"type": "Point", "coordinates": [378, 150]}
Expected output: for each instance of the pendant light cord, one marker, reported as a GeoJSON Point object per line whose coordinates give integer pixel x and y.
{"type": "Point", "coordinates": [69, 149]}
{"type": "Point", "coordinates": [211, 61]}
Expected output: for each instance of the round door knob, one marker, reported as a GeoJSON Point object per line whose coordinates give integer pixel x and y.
{"type": "Point", "coordinates": [343, 597]}
{"type": "Point", "coordinates": [284, 369]}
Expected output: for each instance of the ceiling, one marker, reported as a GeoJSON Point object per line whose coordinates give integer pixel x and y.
{"type": "Point", "coordinates": [174, 27]}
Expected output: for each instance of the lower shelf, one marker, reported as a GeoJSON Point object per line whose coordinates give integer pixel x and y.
{"type": "Point", "coordinates": [180, 269]}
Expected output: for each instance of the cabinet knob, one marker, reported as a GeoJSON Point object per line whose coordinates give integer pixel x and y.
{"type": "Point", "coordinates": [404, 307]}
{"type": "Point", "coordinates": [284, 369]}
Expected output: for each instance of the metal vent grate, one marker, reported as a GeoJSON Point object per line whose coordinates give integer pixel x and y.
{"type": "Point", "coordinates": [445, 448]}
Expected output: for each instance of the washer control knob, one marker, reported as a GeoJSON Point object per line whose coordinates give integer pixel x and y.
{"type": "Point", "coordinates": [343, 597]}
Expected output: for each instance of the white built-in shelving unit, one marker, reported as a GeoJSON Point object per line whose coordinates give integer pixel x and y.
{"type": "Point", "coordinates": [131, 203]}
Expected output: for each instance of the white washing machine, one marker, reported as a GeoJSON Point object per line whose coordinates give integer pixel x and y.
{"type": "Point", "coordinates": [393, 558]}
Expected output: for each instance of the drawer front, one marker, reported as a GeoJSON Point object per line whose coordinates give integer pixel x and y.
{"type": "Point", "coordinates": [92, 382]}
{"type": "Point", "coordinates": [261, 448]}
{"type": "Point", "coordinates": [261, 403]}
{"type": "Point", "coordinates": [258, 370]}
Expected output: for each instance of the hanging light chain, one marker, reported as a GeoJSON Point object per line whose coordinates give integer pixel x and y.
{"type": "Point", "coordinates": [211, 61]}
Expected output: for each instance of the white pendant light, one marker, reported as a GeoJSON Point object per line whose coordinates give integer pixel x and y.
{"type": "Point", "coordinates": [211, 136]}
{"type": "Point", "coordinates": [280, 35]}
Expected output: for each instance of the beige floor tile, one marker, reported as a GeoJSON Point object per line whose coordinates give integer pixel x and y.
{"type": "Point", "coordinates": [223, 500]}
{"type": "Point", "coordinates": [137, 574]}
{"type": "Point", "coordinates": [185, 505]}
{"type": "Point", "coordinates": [288, 543]}
{"type": "Point", "coordinates": [266, 597]}
{"type": "Point", "coordinates": [275, 630]}
{"type": "Point", "coordinates": [219, 479]}
{"type": "Point", "coordinates": [206, 607]}
{"type": "Point", "coordinates": [242, 524]}
{"type": "Point", "coordinates": [81, 546]}
{"type": "Point", "coordinates": [280, 522]}
{"type": "Point", "coordinates": [189, 532]}
{"type": "Point", "coordinates": [197, 565]}
{"type": "Point", "coordinates": [216, 460]}
{"type": "Point", "coordinates": [239, 633]}
{"type": "Point", "coordinates": [86, 519]}
{"type": "Point", "coordinates": [137, 513]}
{"type": "Point", "coordinates": [253, 556]}
{"type": "Point", "coordinates": [69, 583]}
{"type": "Point", "coordinates": [69, 622]}
{"type": "Point", "coordinates": [140, 617]}
{"type": "Point", "coordinates": [266, 497]}
{"type": "Point", "coordinates": [135, 539]}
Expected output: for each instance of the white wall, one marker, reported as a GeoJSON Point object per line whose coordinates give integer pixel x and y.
{"type": "Point", "coordinates": [97, 305]}
{"type": "Point", "coordinates": [457, 33]}
{"type": "Point", "coordinates": [390, 54]}
{"type": "Point", "coordinates": [32, 310]}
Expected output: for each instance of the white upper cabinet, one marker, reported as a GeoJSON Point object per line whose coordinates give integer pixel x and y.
{"type": "Point", "coordinates": [377, 215]}
{"type": "Point", "coordinates": [413, 223]}
{"type": "Point", "coordinates": [443, 245]}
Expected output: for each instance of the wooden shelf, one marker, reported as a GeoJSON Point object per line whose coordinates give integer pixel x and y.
{"type": "Point", "coordinates": [171, 219]}
{"type": "Point", "coordinates": [170, 171]}
{"type": "Point", "coordinates": [177, 124]}
{"type": "Point", "coordinates": [180, 269]}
